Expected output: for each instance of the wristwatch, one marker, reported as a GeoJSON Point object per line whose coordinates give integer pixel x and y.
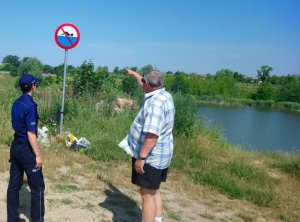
{"type": "Point", "coordinates": [141, 158]}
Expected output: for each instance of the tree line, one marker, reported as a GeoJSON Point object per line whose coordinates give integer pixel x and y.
{"type": "Point", "coordinates": [223, 84]}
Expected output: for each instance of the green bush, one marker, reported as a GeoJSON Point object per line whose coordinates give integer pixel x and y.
{"type": "Point", "coordinates": [185, 117]}
{"type": "Point", "coordinates": [289, 105]}
{"type": "Point", "coordinates": [265, 91]}
{"type": "Point", "coordinates": [248, 102]}
{"type": "Point", "coordinates": [130, 87]}
{"type": "Point", "coordinates": [265, 103]}
{"type": "Point", "coordinates": [86, 80]}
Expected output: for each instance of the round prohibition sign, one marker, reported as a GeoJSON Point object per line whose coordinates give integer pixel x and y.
{"type": "Point", "coordinates": [67, 36]}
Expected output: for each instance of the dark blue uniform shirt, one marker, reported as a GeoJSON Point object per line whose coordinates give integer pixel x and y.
{"type": "Point", "coordinates": [24, 117]}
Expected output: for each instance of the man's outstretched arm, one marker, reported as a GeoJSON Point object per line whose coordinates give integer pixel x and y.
{"type": "Point", "coordinates": [135, 75]}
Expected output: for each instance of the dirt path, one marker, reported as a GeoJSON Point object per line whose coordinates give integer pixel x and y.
{"type": "Point", "coordinates": [121, 202]}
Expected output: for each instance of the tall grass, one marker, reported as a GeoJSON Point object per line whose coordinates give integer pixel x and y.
{"type": "Point", "coordinates": [104, 130]}
{"type": "Point", "coordinates": [286, 163]}
{"type": "Point", "coordinates": [209, 161]}
{"type": "Point", "coordinates": [7, 95]}
{"type": "Point", "coordinates": [237, 102]}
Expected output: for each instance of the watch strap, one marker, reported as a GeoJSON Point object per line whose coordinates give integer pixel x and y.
{"type": "Point", "coordinates": [142, 158]}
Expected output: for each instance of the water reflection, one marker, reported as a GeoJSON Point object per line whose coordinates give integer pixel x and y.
{"type": "Point", "coordinates": [255, 129]}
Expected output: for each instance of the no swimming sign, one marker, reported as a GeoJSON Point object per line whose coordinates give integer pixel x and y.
{"type": "Point", "coordinates": [67, 36]}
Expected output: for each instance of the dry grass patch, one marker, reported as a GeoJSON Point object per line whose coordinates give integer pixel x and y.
{"type": "Point", "coordinates": [289, 207]}
{"type": "Point", "coordinates": [63, 165]}
{"type": "Point", "coordinates": [4, 157]}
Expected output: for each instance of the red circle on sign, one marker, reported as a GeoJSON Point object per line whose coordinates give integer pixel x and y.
{"type": "Point", "coordinates": [70, 44]}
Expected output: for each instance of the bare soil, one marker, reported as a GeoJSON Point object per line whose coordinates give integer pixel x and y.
{"type": "Point", "coordinates": [100, 197]}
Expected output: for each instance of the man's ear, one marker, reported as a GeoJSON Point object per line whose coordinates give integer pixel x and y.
{"type": "Point", "coordinates": [148, 87]}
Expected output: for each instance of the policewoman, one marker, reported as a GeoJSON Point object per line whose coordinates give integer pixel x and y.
{"type": "Point", "coordinates": [25, 154]}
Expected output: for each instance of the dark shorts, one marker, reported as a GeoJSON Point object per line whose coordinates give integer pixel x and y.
{"type": "Point", "coordinates": [152, 177]}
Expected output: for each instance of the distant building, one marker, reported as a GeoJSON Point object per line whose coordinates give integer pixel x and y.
{"type": "Point", "coordinates": [251, 79]}
{"type": "Point", "coordinates": [48, 74]}
{"type": "Point", "coordinates": [202, 76]}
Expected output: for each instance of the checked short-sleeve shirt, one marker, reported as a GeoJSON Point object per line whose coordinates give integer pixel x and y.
{"type": "Point", "coordinates": [157, 117]}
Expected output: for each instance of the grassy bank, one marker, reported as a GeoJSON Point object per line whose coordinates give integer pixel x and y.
{"type": "Point", "coordinates": [270, 181]}
{"type": "Point", "coordinates": [261, 104]}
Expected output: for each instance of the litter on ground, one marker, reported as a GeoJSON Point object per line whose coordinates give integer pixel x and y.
{"type": "Point", "coordinates": [77, 144]}
{"type": "Point", "coordinates": [43, 137]}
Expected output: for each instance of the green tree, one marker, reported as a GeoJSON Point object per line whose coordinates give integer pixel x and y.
{"type": "Point", "coordinates": [130, 87]}
{"type": "Point", "coordinates": [48, 69]}
{"type": "Point", "coordinates": [224, 73]}
{"type": "Point", "coordinates": [296, 90]}
{"type": "Point", "coordinates": [59, 70]}
{"type": "Point", "coordinates": [180, 83]}
{"type": "Point", "coordinates": [225, 83]}
{"type": "Point", "coordinates": [194, 85]}
{"type": "Point", "coordinates": [32, 66]}
{"type": "Point", "coordinates": [24, 59]}
{"type": "Point", "coordinates": [168, 81]}
{"type": "Point", "coordinates": [71, 70]}
{"type": "Point", "coordinates": [82, 80]}
{"type": "Point", "coordinates": [14, 70]}
{"type": "Point", "coordinates": [239, 77]}
{"type": "Point", "coordinates": [145, 69]}
{"type": "Point", "coordinates": [129, 84]}
{"type": "Point", "coordinates": [103, 70]}
{"type": "Point", "coordinates": [169, 72]}
{"type": "Point", "coordinates": [185, 116]}
{"type": "Point", "coordinates": [264, 72]}
{"type": "Point", "coordinates": [6, 67]}
{"type": "Point", "coordinates": [265, 91]}
{"type": "Point", "coordinates": [11, 64]}
{"type": "Point", "coordinates": [12, 60]}
{"type": "Point", "coordinates": [290, 90]}
{"type": "Point", "coordinates": [116, 70]}
{"type": "Point", "coordinates": [134, 69]}
{"type": "Point", "coordinates": [88, 80]}
{"type": "Point", "coordinates": [277, 80]}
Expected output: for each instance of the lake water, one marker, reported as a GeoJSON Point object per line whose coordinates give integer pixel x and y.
{"type": "Point", "coordinates": [254, 129]}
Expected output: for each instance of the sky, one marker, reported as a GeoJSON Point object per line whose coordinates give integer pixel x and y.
{"type": "Point", "coordinates": [193, 36]}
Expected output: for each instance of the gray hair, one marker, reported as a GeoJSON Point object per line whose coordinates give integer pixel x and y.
{"type": "Point", "coordinates": [154, 79]}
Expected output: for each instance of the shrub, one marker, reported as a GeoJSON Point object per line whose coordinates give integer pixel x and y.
{"type": "Point", "coordinates": [185, 117]}
{"type": "Point", "coordinates": [265, 91]}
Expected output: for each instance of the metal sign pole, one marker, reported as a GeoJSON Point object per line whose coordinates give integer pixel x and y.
{"type": "Point", "coordinates": [63, 94]}
{"type": "Point", "coordinates": [67, 37]}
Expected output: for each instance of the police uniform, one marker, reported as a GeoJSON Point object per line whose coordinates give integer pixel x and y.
{"type": "Point", "coordinates": [22, 158]}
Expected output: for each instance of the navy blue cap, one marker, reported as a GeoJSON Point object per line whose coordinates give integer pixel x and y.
{"type": "Point", "coordinates": [27, 80]}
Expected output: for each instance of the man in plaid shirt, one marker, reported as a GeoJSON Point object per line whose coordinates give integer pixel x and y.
{"type": "Point", "coordinates": [150, 142]}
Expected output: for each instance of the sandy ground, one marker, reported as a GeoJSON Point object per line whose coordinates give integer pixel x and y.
{"type": "Point", "coordinates": [73, 202]}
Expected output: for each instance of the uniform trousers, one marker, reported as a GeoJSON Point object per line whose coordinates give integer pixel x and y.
{"type": "Point", "coordinates": [22, 160]}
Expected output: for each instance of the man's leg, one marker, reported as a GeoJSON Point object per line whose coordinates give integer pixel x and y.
{"type": "Point", "coordinates": [158, 205]}
{"type": "Point", "coordinates": [14, 186]}
{"type": "Point", "coordinates": [148, 205]}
